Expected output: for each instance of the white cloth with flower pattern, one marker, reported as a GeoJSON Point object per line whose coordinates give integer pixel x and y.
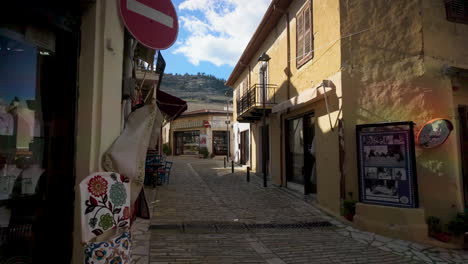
{"type": "Point", "coordinates": [105, 204]}
{"type": "Point", "coordinates": [115, 250]}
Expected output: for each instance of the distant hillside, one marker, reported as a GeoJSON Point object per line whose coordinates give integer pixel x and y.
{"type": "Point", "coordinates": [200, 91]}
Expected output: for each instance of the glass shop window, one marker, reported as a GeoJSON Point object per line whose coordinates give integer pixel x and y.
{"type": "Point", "coordinates": [21, 142]}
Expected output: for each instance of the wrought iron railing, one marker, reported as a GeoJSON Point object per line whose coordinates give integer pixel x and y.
{"type": "Point", "coordinates": [254, 97]}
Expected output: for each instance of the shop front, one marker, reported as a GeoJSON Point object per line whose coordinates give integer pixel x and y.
{"type": "Point", "coordinates": [202, 132]}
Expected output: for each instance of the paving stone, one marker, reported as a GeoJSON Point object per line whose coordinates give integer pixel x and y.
{"type": "Point", "coordinates": [362, 236]}
{"type": "Point", "coordinates": [422, 256]}
{"type": "Point", "coordinates": [200, 194]}
{"type": "Point", "coordinates": [382, 238]}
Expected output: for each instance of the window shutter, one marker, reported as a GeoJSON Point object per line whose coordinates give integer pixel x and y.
{"type": "Point", "coordinates": [305, 38]}
{"type": "Point", "coordinates": [457, 11]}
{"type": "Point", "coordinates": [300, 37]}
{"type": "Point", "coordinates": [307, 33]}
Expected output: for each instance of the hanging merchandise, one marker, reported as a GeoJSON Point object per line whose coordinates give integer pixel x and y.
{"type": "Point", "coordinates": [116, 250]}
{"type": "Point", "coordinates": [105, 216]}
{"type": "Point", "coordinates": [155, 134]}
{"type": "Point", "coordinates": [127, 155]}
{"type": "Point", "coordinates": [105, 203]}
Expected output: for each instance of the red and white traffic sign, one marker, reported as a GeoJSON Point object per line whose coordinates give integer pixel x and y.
{"type": "Point", "coordinates": [152, 22]}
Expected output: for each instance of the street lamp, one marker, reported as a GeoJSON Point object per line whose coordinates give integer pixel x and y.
{"type": "Point", "coordinates": [264, 58]}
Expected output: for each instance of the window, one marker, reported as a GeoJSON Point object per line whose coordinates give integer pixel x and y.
{"type": "Point", "coordinates": [304, 36]}
{"type": "Point", "coordinates": [457, 11]}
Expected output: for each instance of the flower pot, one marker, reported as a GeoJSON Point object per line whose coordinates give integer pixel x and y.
{"type": "Point", "coordinates": [442, 236]}
{"type": "Point", "coordinates": [349, 217]}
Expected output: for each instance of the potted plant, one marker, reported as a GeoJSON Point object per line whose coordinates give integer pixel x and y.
{"type": "Point", "coordinates": [204, 153]}
{"type": "Point", "coordinates": [166, 149]}
{"type": "Point", "coordinates": [435, 229]}
{"type": "Point", "coordinates": [458, 226]}
{"type": "Point", "coordinates": [349, 209]}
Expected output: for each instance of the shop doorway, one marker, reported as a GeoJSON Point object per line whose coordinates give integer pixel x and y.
{"type": "Point", "coordinates": [300, 153]}
{"type": "Point", "coordinates": [463, 113]}
{"type": "Point", "coordinates": [187, 142]}
{"type": "Point", "coordinates": [220, 142]}
{"type": "Point", "coordinates": [244, 147]}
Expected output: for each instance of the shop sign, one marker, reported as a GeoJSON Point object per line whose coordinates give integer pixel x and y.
{"type": "Point", "coordinates": [153, 23]}
{"type": "Point", "coordinates": [386, 163]}
{"type": "Point", "coordinates": [187, 124]}
{"type": "Point", "coordinates": [434, 133]}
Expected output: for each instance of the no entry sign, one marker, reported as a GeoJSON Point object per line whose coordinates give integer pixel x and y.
{"type": "Point", "coordinates": [152, 22]}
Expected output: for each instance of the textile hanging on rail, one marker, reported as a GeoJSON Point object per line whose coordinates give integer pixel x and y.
{"type": "Point", "coordinates": [105, 204]}
{"type": "Point", "coordinates": [115, 250]}
{"type": "Point", "coordinates": [156, 133]}
{"type": "Point", "coordinates": [128, 153]}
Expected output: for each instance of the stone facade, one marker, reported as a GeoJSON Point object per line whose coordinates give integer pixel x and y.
{"type": "Point", "coordinates": [386, 63]}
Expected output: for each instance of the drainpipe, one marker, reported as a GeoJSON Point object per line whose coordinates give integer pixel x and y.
{"type": "Point", "coordinates": [250, 124]}
{"type": "Point", "coordinates": [288, 46]}
{"type": "Point", "coordinates": [288, 95]}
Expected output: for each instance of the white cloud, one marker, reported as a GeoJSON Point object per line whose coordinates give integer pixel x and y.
{"type": "Point", "coordinates": [221, 32]}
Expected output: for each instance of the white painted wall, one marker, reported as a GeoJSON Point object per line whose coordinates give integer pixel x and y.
{"type": "Point", "coordinates": [237, 129]}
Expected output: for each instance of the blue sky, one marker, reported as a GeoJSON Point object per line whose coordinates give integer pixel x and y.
{"type": "Point", "coordinates": [212, 35]}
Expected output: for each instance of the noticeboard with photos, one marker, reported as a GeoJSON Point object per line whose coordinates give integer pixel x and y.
{"type": "Point", "coordinates": [386, 163]}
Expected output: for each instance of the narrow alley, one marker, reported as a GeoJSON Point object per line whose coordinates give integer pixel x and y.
{"type": "Point", "coordinates": [206, 214]}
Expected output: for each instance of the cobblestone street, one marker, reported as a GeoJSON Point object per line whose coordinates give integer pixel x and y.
{"type": "Point", "coordinates": [206, 214]}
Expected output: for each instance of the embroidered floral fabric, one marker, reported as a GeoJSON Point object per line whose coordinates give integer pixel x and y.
{"type": "Point", "coordinates": [116, 251]}
{"type": "Point", "coordinates": [105, 203]}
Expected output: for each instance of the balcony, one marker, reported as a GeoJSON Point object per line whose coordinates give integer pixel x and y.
{"type": "Point", "coordinates": [250, 105]}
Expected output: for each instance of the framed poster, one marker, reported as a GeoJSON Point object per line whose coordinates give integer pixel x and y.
{"type": "Point", "coordinates": [386, 164]}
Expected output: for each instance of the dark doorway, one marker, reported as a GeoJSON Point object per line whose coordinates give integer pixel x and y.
{"type": "Point", "coordinates": [463, 112]}
{"type": "Point", "coordinates": [220, 142]}
{"type": "Point", "coordinates": [244, 147]}
{"type": "Point", "coordinates": [300, 152]}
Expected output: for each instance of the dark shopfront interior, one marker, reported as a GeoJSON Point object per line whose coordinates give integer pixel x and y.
{"type": "Point", "coordinates": [38, 93]}
{"type": "Point", "coordinates": [300, 152]}
{"type": "Point", "coordinates": [187, 142]}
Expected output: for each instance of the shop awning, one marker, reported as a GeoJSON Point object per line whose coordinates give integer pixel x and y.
{"type": "Point", "coordinates": [170, 105]}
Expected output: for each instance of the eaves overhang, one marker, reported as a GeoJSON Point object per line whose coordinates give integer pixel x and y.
{"type": "Point", "coordinates": [271, 18]}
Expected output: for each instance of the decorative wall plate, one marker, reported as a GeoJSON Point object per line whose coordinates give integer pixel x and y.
{"type": "Point", "coordinates": [434, 133]}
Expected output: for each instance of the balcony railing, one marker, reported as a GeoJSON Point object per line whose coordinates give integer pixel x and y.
{"type": "Point", "coordinates": [254, 97]}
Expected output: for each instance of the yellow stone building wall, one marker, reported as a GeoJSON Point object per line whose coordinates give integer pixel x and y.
{"type": "Point", "coordinates": [392, 61]}
{"type": "Point", "coordinates": [386, 62]}
{"type": "Point", "coordinates": [324, 65]}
